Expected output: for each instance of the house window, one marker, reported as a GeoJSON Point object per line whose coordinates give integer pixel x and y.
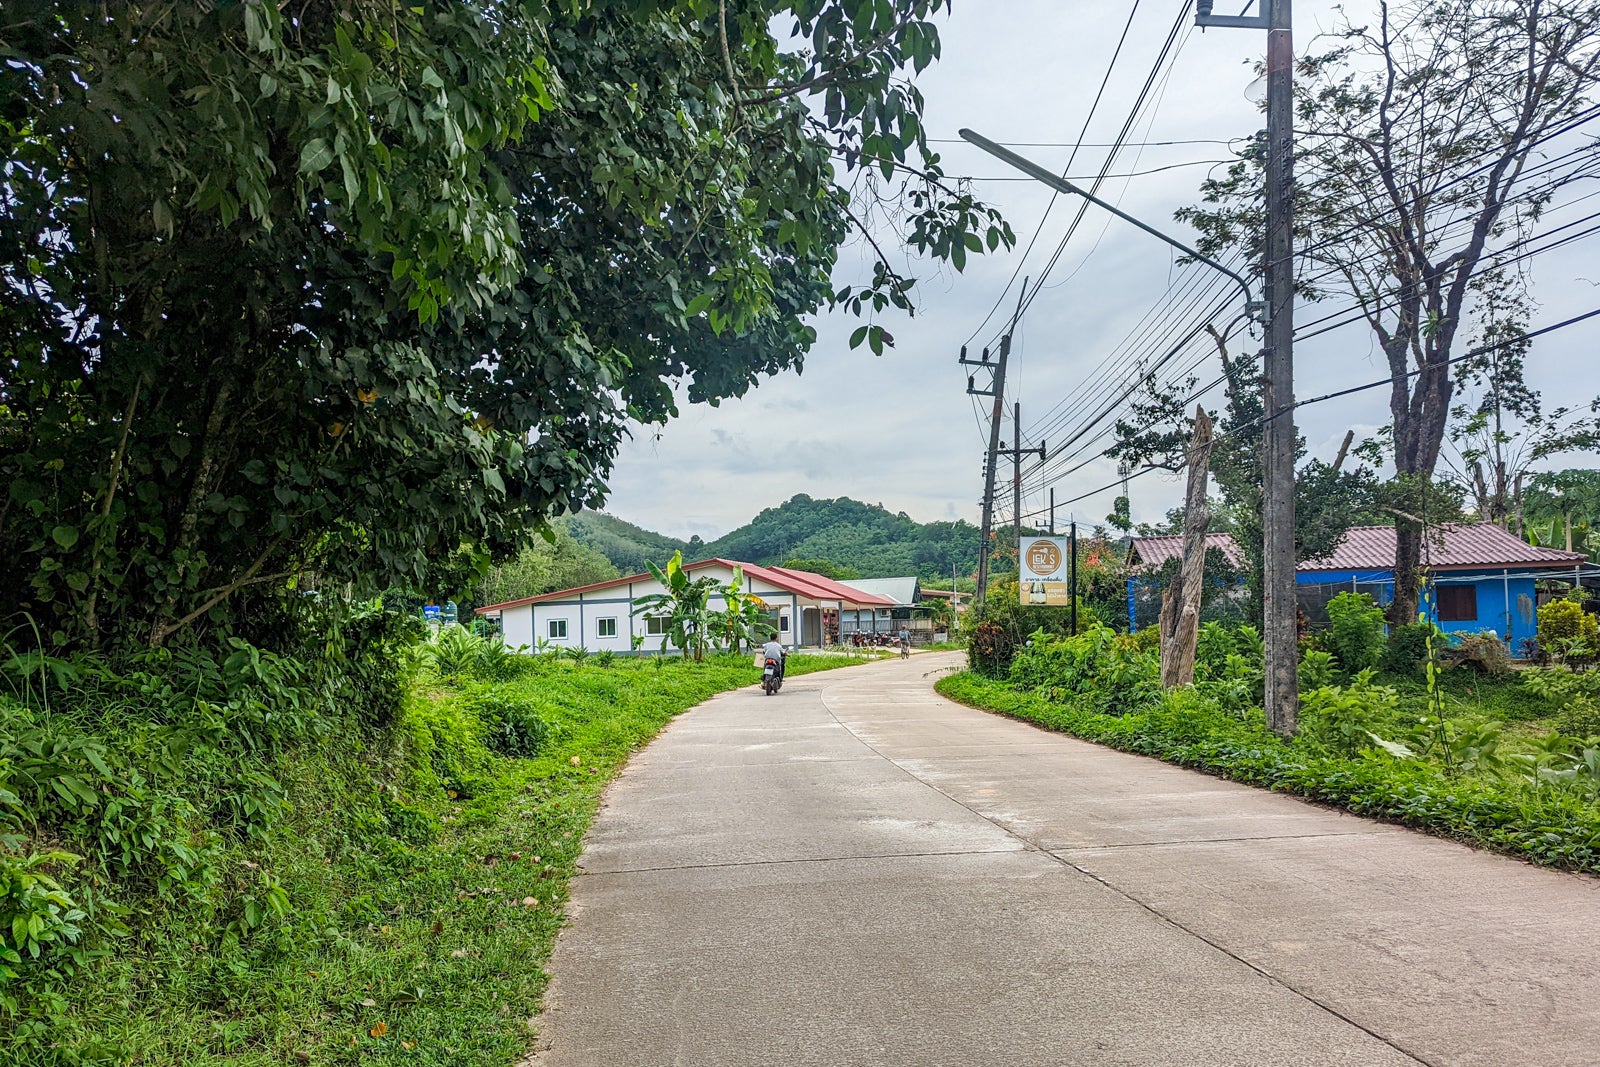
{"type": "Point", "coordinates": [657, 625]}
{"type": "Point", "coordinates": [1458, 603]}
{"type": "Point", "coordinates": [783, 624]}
{"type": "Point", "coordinates": [605, 627]}
{"type": "Point", "coordinates": [558, 629]}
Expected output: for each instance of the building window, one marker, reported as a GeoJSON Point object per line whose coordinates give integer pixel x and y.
{"type": "Point", "coordinates": [657, 625]}
{"type": "Point", "coordinates": [605, 627]}
{"type": "Point", "coordinates": [1457, 603]}
{"type": "Point", "coordinates": [557, 629]}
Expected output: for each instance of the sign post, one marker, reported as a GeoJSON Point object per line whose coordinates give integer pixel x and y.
{"type": "Point", "coordinates": [1043, 572]}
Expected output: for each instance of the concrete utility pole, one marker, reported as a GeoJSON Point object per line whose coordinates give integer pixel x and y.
{"type": "Point", "coordinates": [1016, 452]}
{"type": "Point", "coordinates": [1072, 571]}
{"type": "Point", "coordinates": [1277, 519]}
{"type": "Point", "coordinates": [997, 390]}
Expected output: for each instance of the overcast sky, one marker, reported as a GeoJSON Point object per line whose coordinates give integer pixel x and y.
{"type": "Point", "coordinates": [900, 429]}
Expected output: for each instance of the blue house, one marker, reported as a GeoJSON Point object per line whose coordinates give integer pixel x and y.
{"type": "Point", "coordinates": [1481, 576]}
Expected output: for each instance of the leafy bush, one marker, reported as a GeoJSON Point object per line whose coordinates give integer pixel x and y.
{"type": "Point", "coordinates": [39, 928]}
{"type": "Point", "coordinates": [1407, 648]}
{"type": "Point", "coordinates": [458, 654]}
{"type": "Point", "coordinates": [513, 727]}
{"type": "Point", "coordinates": [1568, 633]}
{"type": "Point", "coordinates": [1357, 631]}
{"type": "Point", "coordinates": [1238, 687]}
{"type": "Point", "coordinates": [990, 649]}
{"type": "Point", "coordinates": [1316, 669]}
{"type": "Point", "coordinates": [1580, 717]}
{"type": "Point", "coordinates": [1348, 721]}
{"type": "Point", "coordinates": [1483, 652]}
{"type": "Point", "coordinates": [1216, 641]}
{"type": "Point", "coordinates": [1109, 669]}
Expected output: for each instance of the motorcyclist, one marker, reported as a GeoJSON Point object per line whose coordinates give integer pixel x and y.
{"type": "Point", "coordinates": [774, 650]}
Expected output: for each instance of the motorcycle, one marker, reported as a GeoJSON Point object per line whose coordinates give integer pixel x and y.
{"type": "Point", "coordinates": [772, 677]}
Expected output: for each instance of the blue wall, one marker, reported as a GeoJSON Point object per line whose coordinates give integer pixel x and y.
{"type": "Point", "coordinates": [1500, 598]}
{"type": "Point", "coordinates": [1498, 594]}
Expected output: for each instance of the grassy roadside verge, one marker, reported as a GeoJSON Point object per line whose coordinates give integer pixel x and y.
{"type": "Point", "coordinates": [425, 877]}
{"type": "Point", "coordinates": [1541, 825]}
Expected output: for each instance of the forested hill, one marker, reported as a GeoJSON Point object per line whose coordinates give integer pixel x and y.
{"type": "Point", "coordinates": [623, 543]}
{"type": "Point", "coordinates": [865, 538]}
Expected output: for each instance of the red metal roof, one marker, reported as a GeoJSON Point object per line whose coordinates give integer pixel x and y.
{"type": "Point", "coordinates": [805, 583]}
{"type": "Point", "coordinates": [1372, 548]}
{"type": "Point", "coordinates": [1480, 544]}
{"type": "Point", "coordinates": [827, 588]}
{"type": "Point", "coordinates": [1154, 551]}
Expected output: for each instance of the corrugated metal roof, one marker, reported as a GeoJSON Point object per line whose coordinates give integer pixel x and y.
{"type": "Point", "coordinates": [903, 591]}
{"type": "Point", "coordinates": [1480, 544]}
{"type": "Point", "coordinates": [1154, 551]}
{"type": "Point", "coordinates": [814, 586]}
{"type": "Point", "coordinates": [1372, 548]}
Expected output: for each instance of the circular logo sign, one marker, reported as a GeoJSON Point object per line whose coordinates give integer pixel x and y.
{"type": "Point", "coordinates": [1044, 557]}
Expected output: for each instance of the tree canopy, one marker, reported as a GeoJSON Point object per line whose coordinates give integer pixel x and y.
{"type": "Point", "coordinates": [307, 296]}
{"type": "Point", "coordinates": [1418, 164]}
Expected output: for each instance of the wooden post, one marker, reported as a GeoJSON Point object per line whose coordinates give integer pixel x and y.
{"type": "Point", "coordinates": [1180, 613]}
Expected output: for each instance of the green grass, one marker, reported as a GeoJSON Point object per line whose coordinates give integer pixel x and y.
{"type": "Point", "coordinates": [1544, 824]}
{"type": "Point", "coordinates": [409, 861]}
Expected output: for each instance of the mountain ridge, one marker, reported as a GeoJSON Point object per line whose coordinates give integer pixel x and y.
{"type": "Point", "coordinates": [867, 538]}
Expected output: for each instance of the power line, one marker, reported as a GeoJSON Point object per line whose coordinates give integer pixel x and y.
{"type": "Point", "coordinates": [1365, 387]}
{"type": "Point", "coordinates": [1099, 94]}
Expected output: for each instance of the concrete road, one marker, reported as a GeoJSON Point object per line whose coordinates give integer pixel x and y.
{"type": "Point", "coordinates": [858, 872]}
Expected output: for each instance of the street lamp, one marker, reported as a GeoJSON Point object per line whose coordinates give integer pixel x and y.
{"type": "Point", "coordinates": [1256, 309]}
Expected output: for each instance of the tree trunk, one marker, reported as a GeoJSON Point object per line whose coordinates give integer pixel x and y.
{"type": "Point", "coordinates": [1178, 648]}
{"type": "Point", "coordinates": [1407, 572]}
{"type": "Point", "coordinates": [1171, 598]}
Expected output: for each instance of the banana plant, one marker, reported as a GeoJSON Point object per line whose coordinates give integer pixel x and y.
{"type": "Point", "coordinates": [684, 604]}
{"type": "Point", "coordinates": [744, 620]}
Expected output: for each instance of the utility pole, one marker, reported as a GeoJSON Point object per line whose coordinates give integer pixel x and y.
{"type": "Point", "coordinates": [1016, 452]}
{"type": "Point", "coordinates": [1072, 571]}
{"type": "Point", "coordinates": [1016, 474]}
{"type": "Point", "coordinates": [997, 390]}
{"type": "Point", "coordinates": [1277, 518]}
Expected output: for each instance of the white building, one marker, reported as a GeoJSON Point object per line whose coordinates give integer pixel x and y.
{"type": "Point", "coordinates": [806, 609]}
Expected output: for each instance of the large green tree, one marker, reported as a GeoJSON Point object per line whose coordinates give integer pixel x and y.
{"type": "Point", "coordinates": [1427, 140]}
{"type": "Point", "coordinates": [310, 294]}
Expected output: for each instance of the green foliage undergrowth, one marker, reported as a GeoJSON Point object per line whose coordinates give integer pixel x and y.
{"type": "Point", "coordinates": [255, 861]}
{"type": "Point", "coordinates": [1531, 813]}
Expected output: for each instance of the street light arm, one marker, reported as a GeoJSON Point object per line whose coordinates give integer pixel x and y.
{"type": "Point", "coordinates": [1255, 309]}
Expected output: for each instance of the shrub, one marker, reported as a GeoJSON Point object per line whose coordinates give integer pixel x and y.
{"type": "Point", "coordinates": [1349, 720]}
{"type": "Point", "coordinates": [512, 727]}
{"type": "Point", "coordinates": [1567, 633]}
{"type": "Point", "coordinates": [1238, 686]}
{"type": "Point", "coordinates": [1111, 671]}
{"type": "Point", "coordinates": [990, 649]}
{"type": "Point", "coordinates": [1483, 652]}
{"type": "Point", "coordinates": [1580, 717]}
{"type": "Point", "coordinates": [1316, 669]}
{"type": "Point", "coordinates": [1407, 648]}
{"type": "Point", "coordinates": [1357, 630]}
